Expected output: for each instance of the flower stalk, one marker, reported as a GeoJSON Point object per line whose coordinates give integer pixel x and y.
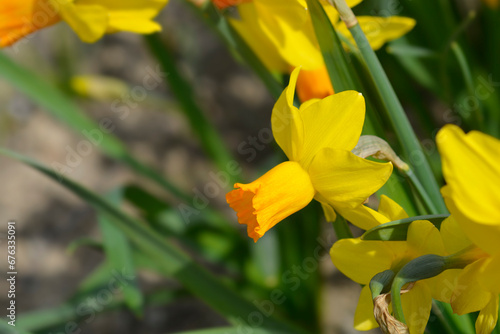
{"type": "Point", "coordinates": [399, 120]}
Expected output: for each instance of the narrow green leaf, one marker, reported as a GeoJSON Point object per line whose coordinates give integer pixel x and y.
{"type": "Point", "coordinates": [89, 242]}
{"type": "Point", "coordinates": [119, 254]}
{"type": "Point", "coordinates": [208, 136]}
{"type": "Point", "coordinates": [169, 257]}
{"type": "Point", "coordinates": [342, 230]}
{"type": "Point", "coordinates": [65, 110]}
{"type": "Point", "coordinates": [5, 328]}
{"type": "Point", "coordinates": [75, 311]}
{"type": "Point", "coordinates": [398, 229]}
{"type": "Point", "coordinates": [408, 50]}
{"type": "Point", "coordinates": [150, 205]}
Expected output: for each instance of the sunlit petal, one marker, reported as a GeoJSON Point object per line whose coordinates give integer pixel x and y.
{"type": "Point", "coordinates": [345, 179]}
{"type": "Point", "coordinates": [336, 122]}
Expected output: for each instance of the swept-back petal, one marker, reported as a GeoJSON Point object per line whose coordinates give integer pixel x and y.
{"type": "Point", "coordinates": [424, 238]}
{"type": "Point", "coordinates": [379, 30]}
{"type": "Point", "coordinates": [363, 317]}
{"type": "Point", "coordinates": [282, 191]}
{"type": "Point", "coordinates": [472, 174]}
{"type": "Point", "coordinates": [286, 121]}
{"type": "Point", "coordinates": [489, 276]}
{"type": "Point", "coordinates": [362, 216]}
{"type": "Point", "coordinates": [328, 211]}
{"type": "Point", "coordinates": [454, 238]}
{"type": "Point", "coordinates": [443, 285]}
{"type": "Point", "coordinates": [344, 179]}
{"type": "Point", "coordinates": [484, 236]}
{"type": "Point", "coordinates": [360, 260]}
{"type": "Point", "coordinates": [88, 21]}
{"type": "Point", "coordinates": [130, 15]}
{"type": "Point", "coordinates": [367, 218]}
{"type": "Point", "coordinates": [488, 317]}
{"type": "Point", "coordinates": [390, 209]}
{"type": "Point", "coordinates": [336, 122]}
{"type": "Point", "coordinates": [417, 304]}
{"type": "Point", "coordinates": [248, 27]}
{"type": "Point", "coordinates": [287, 24]}
{"type": "Point", "coordinates": [468, 295]}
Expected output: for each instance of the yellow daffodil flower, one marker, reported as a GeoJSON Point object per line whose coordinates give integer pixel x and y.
{"type": "Point", "coordinates": [361, 260]}
{"type": "Point", "coordinates": [470, 167]}
{"type": "Point", "coordinates": [90, 19]}
{"type": "Point", "coordinates": [317, 139]}
{"type": "Point", "coordinates": [282, 35]}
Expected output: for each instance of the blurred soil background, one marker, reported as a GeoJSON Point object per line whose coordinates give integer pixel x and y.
{"type": "Point", "coordinates": [49, 218]}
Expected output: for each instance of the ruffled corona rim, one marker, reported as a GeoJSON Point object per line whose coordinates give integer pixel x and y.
{"type": "Point", "coordinates": [282, 191]}
{"type": "Point", "coordinates": [21, 18]}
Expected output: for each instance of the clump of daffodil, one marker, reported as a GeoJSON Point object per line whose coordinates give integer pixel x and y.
{"type": "Point", "coordinates": [361, 260]}
{"type": "Point", "coordinates": [317, 139]}
{"type": "Point", "coordinates": [472, 193]}
{"type": "Point", "coordinates": [89, 19]}
{"type": "Point", "coordinates": [281, 33]}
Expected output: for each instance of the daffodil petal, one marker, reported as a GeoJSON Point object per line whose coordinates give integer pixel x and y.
{"type": "Point", "coordinates": [329, 212]}
{"type": "Point", "coordinates": [471, 171]}
{"type": "Point", "coordinates": [489, 278]}
{"type": "Point", "coordinates": [443, 285]}
{"type": "Point", "coordinates": [390, 209]}
{"type": "Point", "coordinates": [360, 260]}
{"type": "Point", "coordinates": [469, 296]}
{"type": "Point", "coordinates": [362, 216]}
{"type": "Point", "coordinates": [130, 15]}
{"type": "Point", "coordinates": [488, 316]}
{"type": "Point", "coordinates": [379, 30]}
{"type": "Point", "coordinates": [417, 304]}
{"type": "Point", "coordinates": [454, 238]}
{"type": "Point", "coordinates": [249, 29]}
{"type": "Point", "coordinates": [287, 24]}
{"type": "Point", "coordinates": [88, 21]}
{"type": "Point", "coordinates": [352, 3]}
{"type": "Point", "coordinates": [484, 236]}
{"type": "Point", "coordinates": [344, 179]}
{"type": "Point", "coordinates": [335, 121]}
{"type": "Point", "coordinates": [424, 238]}
{"type": "Point", "coordinates": [286, 122]}
{"type": "Point", "coordinates": [363, 317]}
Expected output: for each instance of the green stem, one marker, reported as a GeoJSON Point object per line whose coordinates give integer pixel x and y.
{"type": "Point", "coordinates": [397, 307]}
{"type": "Point", "coordinates": [341, 228]}
{"type": "Point", "coordinates": [424, 196]}
{"type": "Point", "coordinates": [399, 120]}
